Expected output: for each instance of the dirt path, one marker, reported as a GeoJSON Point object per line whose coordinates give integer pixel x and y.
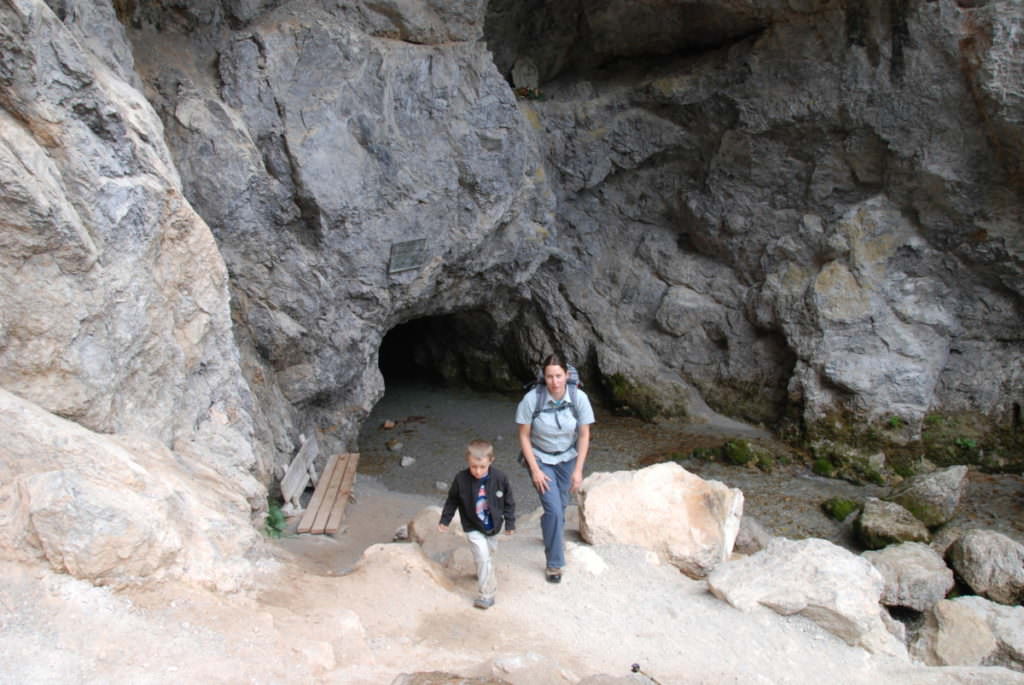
{"type": "Point", "coordinates": [317, 612]}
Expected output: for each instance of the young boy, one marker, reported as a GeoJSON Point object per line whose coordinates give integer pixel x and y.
{"type": "Point", "coordinates": [483, 496]}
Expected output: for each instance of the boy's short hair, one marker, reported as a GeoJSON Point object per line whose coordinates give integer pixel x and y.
{"type": "Point", "coordinates": [480, 449]}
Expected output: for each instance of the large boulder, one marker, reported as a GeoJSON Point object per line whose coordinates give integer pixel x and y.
{"type": "Point", "coordinates": [932, 497]}
{"type": "Point", "coordinates": [115, 510]}
{"type": "Point", "coordinates": [953, 635]}
{"type": "Point", "coordinates": [1007, 626]}
{"type": "Point", "coordinates": [814, 578]}
{"type": "Point", "coordinates": [915, 575]}
{"type": "Point", "coordinates": [885, 523]}
{"type": "Point", "coordinates": [690, 521]}
{"type": "Point", "coordinates": [991, 564]}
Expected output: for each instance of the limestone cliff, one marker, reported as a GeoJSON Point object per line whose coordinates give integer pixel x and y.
{"type": "Point", "coordinates": [807, 210]}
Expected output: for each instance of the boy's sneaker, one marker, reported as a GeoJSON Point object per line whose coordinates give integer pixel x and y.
{"type": "Point", "coordinates": [482, 603]}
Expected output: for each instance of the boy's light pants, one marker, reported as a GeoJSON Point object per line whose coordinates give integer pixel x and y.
{"type": "Point", "coordinates": [483, 546]}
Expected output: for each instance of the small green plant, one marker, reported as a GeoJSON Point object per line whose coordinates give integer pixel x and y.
{"type": "Point", "coordinates": [738, 452]}
{"type": "Point", "coordinates": [966, 444]}
{"type": "Point", "coordinates": [895, 422]}
{"type": "Point", "coordinates": [705, 453]}
{"type": "Point", "coordinates": [839, 508]}
{"type": "Point", "coordinates": [823, 467]}
{"type": "Point", "coordinates": [766, 463]}
{"type": "Point", "coordinates": [933, 420]}
{"type": "Point", "coordinates": [274, 525]}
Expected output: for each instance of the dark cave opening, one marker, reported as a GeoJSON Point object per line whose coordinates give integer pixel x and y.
{"type": "Point", "coordinates": [463, 349]}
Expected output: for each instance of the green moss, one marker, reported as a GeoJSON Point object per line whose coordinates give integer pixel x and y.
{"type": "Point", "coordinates": [737, 452]}
{"type": "Point", "coordinates": [705, 453]}
{"type": "Point", "coordinates": [639, 400]}
{"type": "Point", "coordinates": [766, 463]}
{"type": "Point", "coordinates": [839, 508]}
{"type": "Point", "coordinates": [823, 467]}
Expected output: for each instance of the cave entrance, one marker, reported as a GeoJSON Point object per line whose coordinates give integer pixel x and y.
{"type": "Point", "coordinates": [448, 379]}
{"type": "Point", "coordinates": [460, 350]}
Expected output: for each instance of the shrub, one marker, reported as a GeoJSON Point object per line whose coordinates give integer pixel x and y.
{"type": "Point", "coordinates": [839, 508]}
{"type": "Point", "coordinates": [823, 467]}
{"type": "Point", "coordinates": [705, 453]}
{"type": "Point", "coordinates": [738, 452]}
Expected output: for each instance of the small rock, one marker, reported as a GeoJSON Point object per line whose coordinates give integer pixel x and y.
{"type": "Point", "coordinates": [441, 486]}
{"type": "Point", "coordinates": [1007, 626]}
{"type": "Point", "coordinates": [915, 575]}
{"type": "Point", "coordinates": [401, 534]}
{"type": "Point", "coordinates": [991, 564]}
{"type": "Point", "coordinates": [886, 523]}
{"type": "Point", "coordinates": [388, 425]}
{"type": "Point", "coordinates": [394, 444]}
{"type": "Point", "coordinates": [408, 461]}
{"type": "Point", "coordinates": [933, 497]}
{"type": "Point", "coordinates": [953, 635]}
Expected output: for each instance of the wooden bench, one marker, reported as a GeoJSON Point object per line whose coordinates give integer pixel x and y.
{"type": "Point", "coordinates": [327, 507]}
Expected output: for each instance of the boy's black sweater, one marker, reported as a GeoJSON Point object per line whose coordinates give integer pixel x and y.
{"type": "Point", "coordinates": [462, 496]}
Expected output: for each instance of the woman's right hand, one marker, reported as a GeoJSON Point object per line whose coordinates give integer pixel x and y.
{"type": "Point", "coordinates": [541, 480]}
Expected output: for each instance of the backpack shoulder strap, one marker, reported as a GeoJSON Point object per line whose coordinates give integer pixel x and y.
{"type": "Point", "coordinates": [538, 404]}
{"type": "Point", "coordinates": [573, 394]}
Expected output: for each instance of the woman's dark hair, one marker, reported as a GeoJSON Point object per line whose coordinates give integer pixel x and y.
{"type": "Point", "coordinates": [554, 360]}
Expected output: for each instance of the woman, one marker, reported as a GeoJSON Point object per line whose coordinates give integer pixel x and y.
{"type": "Point", "coordinates": [554, 442]}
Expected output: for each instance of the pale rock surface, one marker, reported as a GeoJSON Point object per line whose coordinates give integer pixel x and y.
{"type": "Point", "coordinates": [953, 635]}
{"type": "Point", "coordinates": [823, 582]}
{"type": "Point", "coordinates": [915, 575]}
{"type": "Point", "coordinates": [991, 564]}
{"type": "Point", "coordinates": [932, 497]}
{"type": "Point", "coordinates": [113, 294]}
{"type": "Point", "coordinates": [116, 510]}
{"type": "Point", "coordinates": [882, 523]}
{"type": "Point", "coordinates": [690, 521]}
{"type": "Point", "coordinates": [1007, 626]}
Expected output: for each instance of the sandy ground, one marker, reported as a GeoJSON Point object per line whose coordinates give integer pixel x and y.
{"type": "Point", "coordinates": [316, 613]}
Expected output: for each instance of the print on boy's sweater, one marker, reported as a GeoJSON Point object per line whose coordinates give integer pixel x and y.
{"type": "Point", "coordinates": [483, 511]}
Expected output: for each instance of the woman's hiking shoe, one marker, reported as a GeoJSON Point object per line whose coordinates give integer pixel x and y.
{"type": "Point", "coordinates": [553, 575]}
{"type": "Point", "coordinates": [481, 603]}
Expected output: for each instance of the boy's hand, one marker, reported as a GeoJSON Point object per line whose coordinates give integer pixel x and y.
{"type": "Point", "coordinates": [441, 528]}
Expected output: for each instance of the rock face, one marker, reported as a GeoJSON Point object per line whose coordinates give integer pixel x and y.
{"type": "Point", "coordinates": [915, 575]}
{"type": "Point", "coordinates": [933, 497]}
{"type": "Point", "coordinates": [690, 521]}
{"type": "Point", "coordinates": [885, 523]}
{"type": "Point", "coordinates": [114, 300]}
{"type": "Point", "coordinates": [113, 510]}
{"type": "Point", "coordinates": [816, 579]}
{"type": "Point", "coordinates": [740, 205]}
{"type": "Point", "coordinates": [991, 564]}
